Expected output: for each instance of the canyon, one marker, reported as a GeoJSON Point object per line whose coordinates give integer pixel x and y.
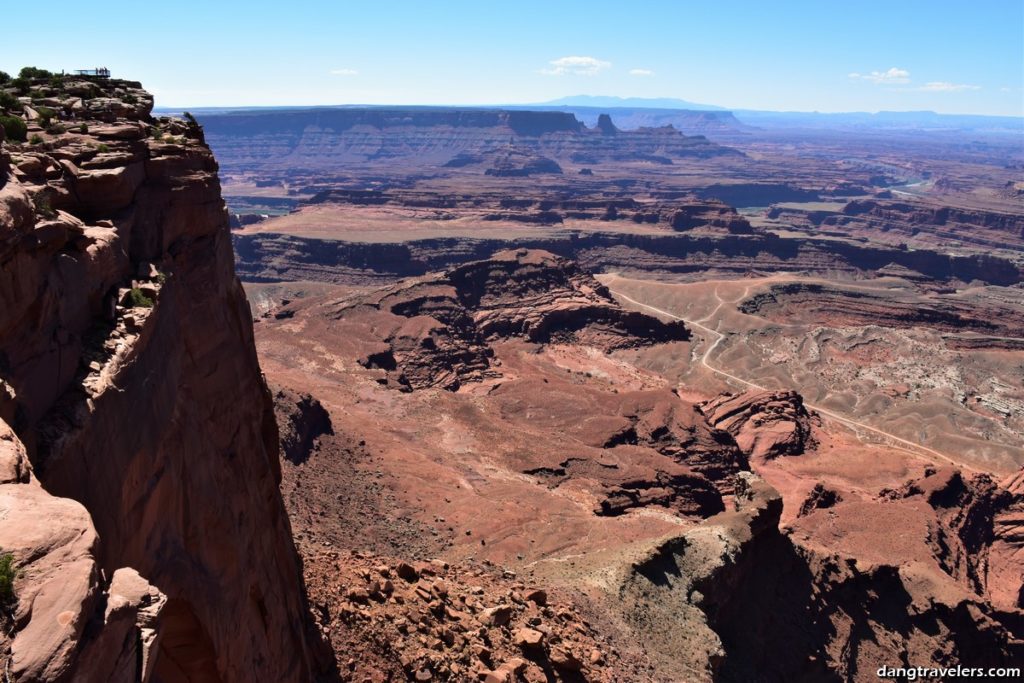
{"type": "Point", "coordinates": [424, 393]}
{"type": "Point", "coordinates": [723, 495]}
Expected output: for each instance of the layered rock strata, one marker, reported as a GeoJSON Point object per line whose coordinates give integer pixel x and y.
{"type": "Point", "coordinates": [128, 372]}
{"type": "Point", "coordinates": [434, 331]}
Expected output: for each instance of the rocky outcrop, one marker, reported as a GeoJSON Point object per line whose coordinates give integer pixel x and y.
{"type": "Point", "coordinates": [301, 420]}
{"type": "Point", "coordinates": [435, 331]}
{"type": "Point", "coordinates": [1004, 580]}
{"type": "Point", "coordinates": [734, 599]}
{"type": "Point", "coordinates": [972, 540]}
{"type": "Point", "coordinates": [544, 298]}
{"type": "Point", "coordinates": [670, 592]}
{"type": "Point", "coordinates": [765, 424]}
{"type": "Point", "coordinates": [717, 214]}
{"type": "Point", "coordinates": [150, 537]}
{"type": "Point", "coordinates": [519, 162]}
{"type": "Point", "coordinates": [480, 624]}
{"type": "Point", "coordinates": [820, 497]}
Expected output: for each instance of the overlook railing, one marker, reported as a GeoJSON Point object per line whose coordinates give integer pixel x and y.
{"type": "Point", "coordinates": [99, 72]}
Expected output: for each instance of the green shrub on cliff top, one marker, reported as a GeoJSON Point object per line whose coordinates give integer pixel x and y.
{"type": "Point", "coordinates": [4, 77]}
{"type": "Point", "coordinates": [14, 128]}
{"type": "Point", "coordinates": [33, 72]}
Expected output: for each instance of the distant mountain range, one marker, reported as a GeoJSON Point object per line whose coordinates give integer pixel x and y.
{"type": "Point", "coordinates": [627, 103]}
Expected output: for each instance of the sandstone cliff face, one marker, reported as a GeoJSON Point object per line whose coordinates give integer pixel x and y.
{"type": "Point", "coordinates": [128, 371]}
{"type": "Point", "coordinates": [980, 227]}
{"type": "Point", "coordinates": [275, 257]}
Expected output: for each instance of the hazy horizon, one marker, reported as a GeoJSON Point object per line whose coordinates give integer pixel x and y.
{"type": "Point", "coordinates": [798, 57]}
{"type": "Point", "coordinates": [626, 104]}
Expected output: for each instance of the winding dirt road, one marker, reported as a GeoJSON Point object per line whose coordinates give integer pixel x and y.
{"type": "Point", "coordinates": [854, 424]}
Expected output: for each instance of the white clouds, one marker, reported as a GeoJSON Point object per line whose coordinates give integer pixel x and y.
{"type": "Point", "coordinates": [641, 72]}
{"type": "Point", "coordinates": [944, 86]}
{"type": "Point", "coordinates": [897, 76]}
{"type": "Point", "coordinates": [576, 66]}
{"type": "Point", "coordinates": [894, 75]}
{"type": "Point", "coordinates": [344, 72]}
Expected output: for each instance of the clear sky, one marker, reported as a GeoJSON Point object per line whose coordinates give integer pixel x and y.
{"type": "Point", "coordinates": [951, 56]}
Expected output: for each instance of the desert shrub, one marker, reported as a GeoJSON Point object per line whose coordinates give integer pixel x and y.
{"type": "Point", "coordinates": [33, 72]}
{"type": "Point", "coordinates": [36, 139]}
{"type": "Point", "coordinates": [22, 85]}
{"type": "Point", "coordinates": [7, 576]}
{"type": "Point", "coordinates": [83, 128]}
{"type": "Point", "coordinates": [56, 129]}
{"type": "Point", "coordinates": [102, 148]}
{"type": "Point", "coordinates": [42, 205]}
{"type": "Point", "coordinates": [130, 98]}
{"type": "Point", "coordinates": [4, 77]}
{"type": "Point", "coordinates": [14, 127]}
{"type": "Point", "coordinates": [9, 101]}
{"type": "Point", "coordinates": [136, 299]}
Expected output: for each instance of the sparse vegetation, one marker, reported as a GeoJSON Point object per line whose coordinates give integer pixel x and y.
{"type": "Point", "coordinates": [56, 129]}
{"type": "Point", "coordinates": [4, 77]}
{"type": "Point", "coordinates": [33, 72]}
{"type": "Point", "coordinates": [21, 85]}
{"type": "Point", "coordinates": [137, 299]}
{"type": "Point", "coordinates": [14, 128]}
{"type": "Point", "coordinates": [7, 575]}
{"type": "Point", "coordinates": [102, 148]}
{"type": "Point", "coordinates": [36, 139]}
{"type": "Point", "coordinates": [9, 102]}
{"type": "Point", "coordinates": [130, 98]}
{"type": "Point", "coordinates": [195, 130]}
{"type": "Point", "coordinates": [46, 115]}
{"type": "Point", "coordinates": [42, 205]}
{"type": "Point", "coordinates": [83, 129]}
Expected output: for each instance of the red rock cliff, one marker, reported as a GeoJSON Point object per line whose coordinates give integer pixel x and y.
{"type": "Point", "coordinates": [139, 472]}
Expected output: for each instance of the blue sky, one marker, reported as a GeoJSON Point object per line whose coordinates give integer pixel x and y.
{"type": "Point", "coordinates": [946, 56]}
